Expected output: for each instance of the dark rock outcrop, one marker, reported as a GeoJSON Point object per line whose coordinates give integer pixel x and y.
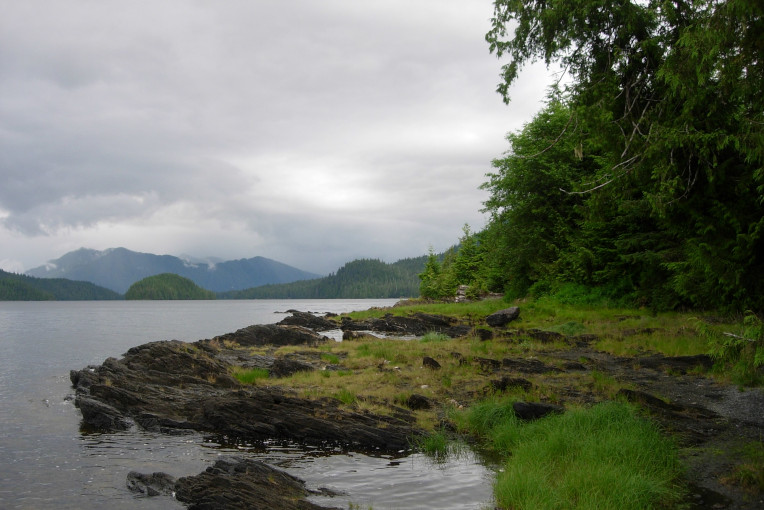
{"type": "Point", "coordinates": [507, 382]}
{"type": "Point", "coordinates": [503, 317]}
{"type": "Point", "coordinates": [170, 386]}
{"type": "Point", "coordinates": [154, 484]}
{"type": "Point", "coordinates": [229, 484]}
{"type": "Point", "coordinates": [308, 320]}
{"type": "Point", "coordinates": [487, 364]}
{"type": "Point", "coordinates": [273, 334]}
{"type": "Point", "coordinates": [284, 367]}
{"type": "Point", "coordinates": [528, 366]}
{"type": "Point", "coordinates": [418, 324]}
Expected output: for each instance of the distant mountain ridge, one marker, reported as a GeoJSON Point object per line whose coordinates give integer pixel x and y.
{"type": "Point", "coordinates": [118, 268]}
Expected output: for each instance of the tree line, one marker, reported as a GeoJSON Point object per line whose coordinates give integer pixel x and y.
{"type": "Point", "coordinates": [641, 179]}
{"type": "Point", "coordinates": [362, 278]}
{"type": "Point", "coordinates": [17, 287]}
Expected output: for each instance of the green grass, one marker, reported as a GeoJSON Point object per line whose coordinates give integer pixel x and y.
{"type": "Point", "coordinates": [330, 358]}
{"type": "Point", "coordinates": [434, 337]}
{"type": "Point", "coordinates": [346, 396]}
{"type": "Point", "coordinates": [249, 375]}
{"type": "Point", "coordinates": [749, 473]}
{"type": "Point", "coordinates": [602, 457]}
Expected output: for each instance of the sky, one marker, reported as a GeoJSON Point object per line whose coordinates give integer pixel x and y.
{"type": "Point", "coordinates": [310, 132]}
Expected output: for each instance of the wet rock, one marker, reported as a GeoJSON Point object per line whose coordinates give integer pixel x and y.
{"type": "Point", "coordinates": [273, 334]}
{"type": "Point", "coordinates": [692, 422]}
{"type": "Point", "coordinates": [503, 317]}
{"type": "Point", "coordinates": [101, 416]}
{"type": "Point", "coordinates": [535, 410]}
{"type": "Point", "coordinates": [308, 320]}
{"type": "Point", "coordinates": [284, 367]}
{"type": "Point", "coordinates": [507, 382]}
{"type": "Point", "coordinates": [242, 484]}
{"type": "Point", "coordinates": [430, 363]}
{"type": "Point", "coordinates": [121, 392]}
{"type": "Point", "coordinates": [350, 335]}
{"type": "Point", "coordinates": [154, 484]}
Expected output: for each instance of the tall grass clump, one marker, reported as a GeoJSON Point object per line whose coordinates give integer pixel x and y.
{"type": "Point", "coordinates": [434, 336]}
{"type": "Point", "coordinates": [249, 375]}
{"type": "Point", "coordinates": [602, 457]}
{"type": "Point", "coordinates": [438, 445]}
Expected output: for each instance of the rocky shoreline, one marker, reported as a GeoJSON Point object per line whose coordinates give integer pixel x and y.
{"type": "Point", "coordinates": [172, 387]}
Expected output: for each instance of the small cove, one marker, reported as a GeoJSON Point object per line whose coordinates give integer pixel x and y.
{"type": "Point", "coordinates": [49, 463]}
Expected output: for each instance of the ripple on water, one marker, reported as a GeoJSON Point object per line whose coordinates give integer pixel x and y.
{"type": "Point", "coordinates": [461, 481]}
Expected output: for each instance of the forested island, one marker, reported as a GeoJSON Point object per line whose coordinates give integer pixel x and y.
{"type": "Point", "coordinates": [167, 286]}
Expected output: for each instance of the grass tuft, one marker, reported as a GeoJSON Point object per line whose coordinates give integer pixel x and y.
{"type": "Point", "coordinates": [249, 375]}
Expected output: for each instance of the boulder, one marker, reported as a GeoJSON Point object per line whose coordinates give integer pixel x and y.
{"type": "Point", "coordinates": [308, 320]}
{"type": "Point", "coordinates": [154, 484]}
{"type": "Point", "coordinates": [273, 334]}
{"type": "Point", "coordinates": [535, 410]}
{"type": "Point", "coordinates": [507, 382]}
{"type": "Point", "coordinates": [243, 484]}
{"type": "Point", "coordinates": [428, 362]}
{"type": "Point", "coordinates": [416, 402]}
{"type": "Point", "coordinates": [503, 317]}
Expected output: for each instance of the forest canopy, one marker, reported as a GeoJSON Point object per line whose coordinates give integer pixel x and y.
{"type": "Point", "coordinates": [641, 179]}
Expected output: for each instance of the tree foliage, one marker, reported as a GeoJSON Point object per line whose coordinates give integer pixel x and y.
{"type": "Point", "coordinates": [167, 286]}
{"type": "Point", "coordinates": [460, 265]}
{"type": "Point", "coordinates": [644, 174]}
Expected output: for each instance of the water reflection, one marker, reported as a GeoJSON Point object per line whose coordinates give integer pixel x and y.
{"type": "Point", "coordinates": [403, 480]}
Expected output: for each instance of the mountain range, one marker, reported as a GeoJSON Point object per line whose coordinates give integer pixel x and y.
{"type": "Point", "coordinates": [118, 268]}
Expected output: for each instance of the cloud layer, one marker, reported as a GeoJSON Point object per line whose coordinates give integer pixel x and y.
{"type": "Point", "coordinates": [309, 132]}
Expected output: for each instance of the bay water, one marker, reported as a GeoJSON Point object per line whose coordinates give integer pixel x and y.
{"type": "Point", "coordinates": [46, 462]}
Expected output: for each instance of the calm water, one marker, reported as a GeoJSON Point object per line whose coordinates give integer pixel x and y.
{"type": "Point", "coordinates": [45, 462]}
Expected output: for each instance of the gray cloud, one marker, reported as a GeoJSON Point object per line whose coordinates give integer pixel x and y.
{"type": "Point", "coordinates": [310, 132]}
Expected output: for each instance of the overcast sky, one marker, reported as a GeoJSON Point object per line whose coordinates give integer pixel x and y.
{"type": "Point", "coordinates": [311, 132]}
